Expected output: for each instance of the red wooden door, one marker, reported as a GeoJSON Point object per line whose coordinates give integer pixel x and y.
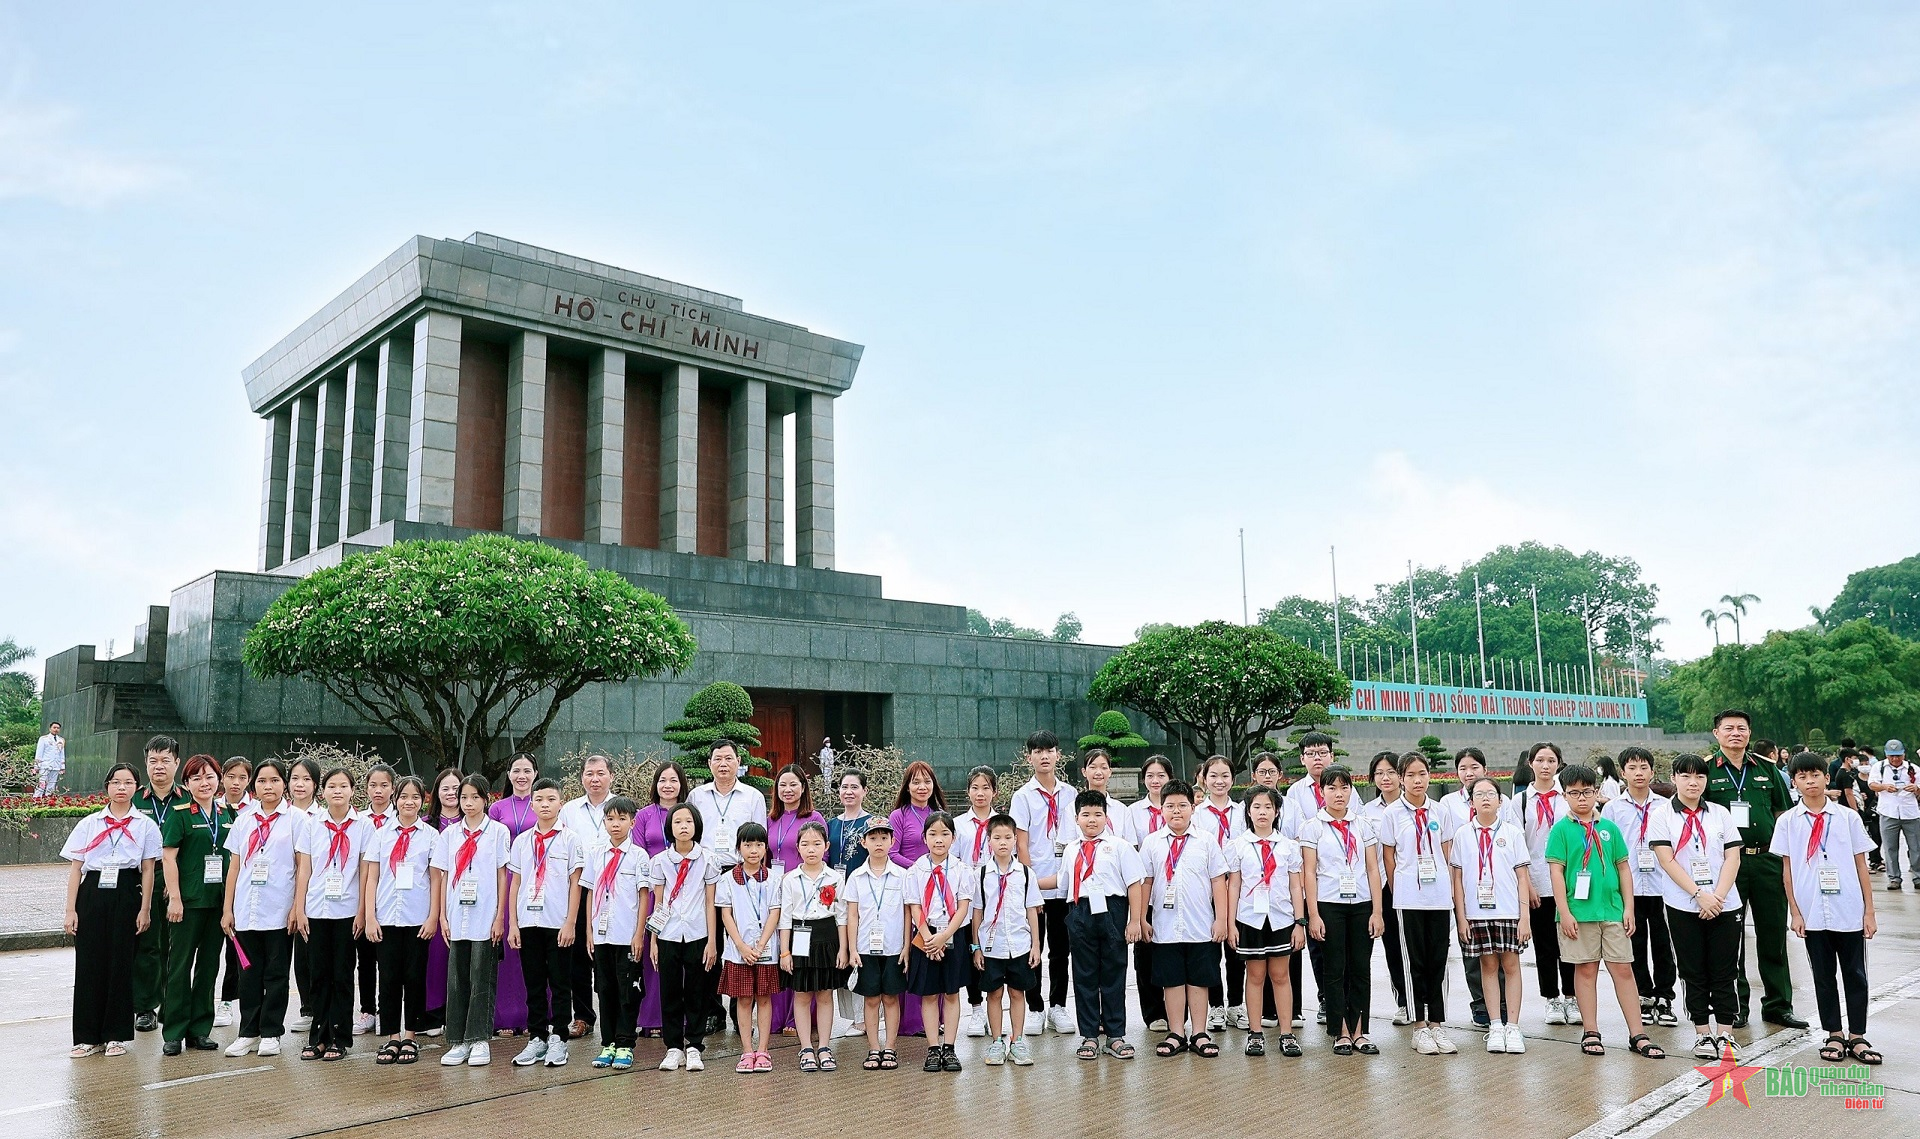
{"type": "Point", "coordinates": [776, 735]}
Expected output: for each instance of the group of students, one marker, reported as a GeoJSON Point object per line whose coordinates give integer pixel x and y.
{"type": "Point", "coordinates": [706, 893]}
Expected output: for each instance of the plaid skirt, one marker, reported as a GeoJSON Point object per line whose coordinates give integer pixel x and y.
{"type": "Point", "coordinates": [1498, 935]}
{"type": "Point", "coordinates": [738, 980]}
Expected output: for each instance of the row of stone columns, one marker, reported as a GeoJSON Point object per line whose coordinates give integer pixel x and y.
{"type": "Point", "coordinates": [375, 442]}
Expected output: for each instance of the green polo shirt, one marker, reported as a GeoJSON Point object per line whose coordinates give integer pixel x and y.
{"type": "Point", "coordinates": [157, 809]}
{"type": "Point", "coordinates": [196, 837]}
{"type": "Point", "coordinates": [1567, 845]}
{"type": "Point", "coordinates": [1764, 787]}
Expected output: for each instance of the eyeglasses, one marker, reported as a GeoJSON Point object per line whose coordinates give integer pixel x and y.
{"type": "Point", "coordinates": [1582, 792]}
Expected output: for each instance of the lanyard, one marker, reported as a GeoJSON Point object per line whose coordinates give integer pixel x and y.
{"type": "Point", "coordinates": [790, 831]}
{"type": "Point", "coordinates": [540, 843]}
{"type": "Point", "coordinates": [723, 805]}
{"type": "Point", "coordinates": [1817, 835]}
{"type": "Point", "coordinates": [1645, 813]}
{"type": "Point", "coordinates": [1592, 841]}
{"type": "Point", "coordinates": [875, 891]}
{"type": "Point", "coordinates": [979, 837]}
{"type": "Point", "coordinates": [679, 880]}
{"type": "Point", "coordinates": [157, 807]}
{"type": "Point", "coordinates": [1053, 810]}
{"type": "Point", "coordinates": [1002, 903]}
{"type": "Point", "coordinates": [212, 815]}
{"type": "Point", "coordinates": [1485, 835]}
{"type": "Point", "coordinates": [1419, 830]}
{"type": "Point", "coordinates": [756, 898]}
{"type": "Point", "coordinates": [262, 831]}
{"type": "Point", "coordinates": [1268, 864]}
{"type": "Point", "coordinates": [111, 834]}
{"type": "Point", "coordinates": [1739, 780]}
{"type": "Point", "coordinates": [1345, 830]}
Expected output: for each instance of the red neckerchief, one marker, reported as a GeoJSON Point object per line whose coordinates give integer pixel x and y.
{"type": "Point", "coordinates": [1175, 845]}
{"type": "Point", "coordinates": [1225, 820]}
{"type": "Point", "coordinates": [339, 846]}
{"type": "Point", "coordinates": [402, 842]}
{"type": "Point", "coordinates": [938, 875]}
{"type": "Point", "coordinates": [1344, 828]}
{"type": "Point", "coordinates": [113, 830]}
{"type": "Point", "coordinates": [1543, 811]}
{"type": "Point", "coordinates": [1268, 864]}
{"type": "Point", "coordinates": [540, 844]}
{"type": "Point", "coordinates": [608, 873]}
{"type": "Point", "coordinates": [1693, 826]}
{"type": "Point", "coordinates": [1155, 818]}
{"type": "Point", "coordinates": [262, 831]}
{"type": "Point", "coordinates": [1083, 864]}
{"type": "Point", "coordinates": [1813, 836]}
{"type": "Point", "coordinates": [1419, 829]}
{"type": "Point", "coordinates": [979, 838]}
{"type": "Point", "coordinates": [1053, 809]}
{"type": "Point", "coordinates": [469, 845]}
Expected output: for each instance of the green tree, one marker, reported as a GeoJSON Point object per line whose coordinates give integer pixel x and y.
{"type": "Point", "coordinates": [1067, 628]}
{"type": "Point", "coordinates": [1111, 730]}
{"type": "Point", "coordinates": [1888, 596]}
{"type": "Point", "coordinates": [1216, 687]}
{"type": "Point", "coordinates": [1855, 680]}
{"type": "Point", "coordinates": [720, 711]}
{"type": "Point", "coordinates": [445, 643]}
{"type": "Point", "coordinates": [980, 625]}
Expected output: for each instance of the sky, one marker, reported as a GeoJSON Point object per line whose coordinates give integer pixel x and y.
{"type": "Point", "coordinates": [1408, 281]}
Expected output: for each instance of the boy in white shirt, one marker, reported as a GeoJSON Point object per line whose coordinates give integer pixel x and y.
{"type": "Point", "coordinates": [1042, 809]}
{"type": "Point", "coordinates": [1634, 811]}
{"type": "Point", "coordinates": [877, 914]}
{"type": "Point", "coordinates": [546, 862]}
{"type": "Point", "coordinates": [1190, 911]}
{"type": "Point", "coordinates": [1106, 900]}
{"type": "Point", "coordinates": [1831, 905]}
{"type": "Point", "coordinates": [617, 880]}
{"type": "Point", "coordinates": [1006, 939]}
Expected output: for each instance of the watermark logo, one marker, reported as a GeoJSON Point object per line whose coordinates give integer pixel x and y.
{"type": "Point", "coordinates": [1728, 1077]}
{"type": "Point", "coordinates": [1849, 1084]}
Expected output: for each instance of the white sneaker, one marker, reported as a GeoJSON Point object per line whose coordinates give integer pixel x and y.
{"type": "Point", "coordinates": [1237, 1017]}
{"type": "Point", "coordinates": [1269, 1022]}
{"type": "Point", "coordinates": [1036, 1023]}
{"type": "Point", "coordinates": [694, 1063]}
{"type": "Point", "coordinates": [975, 1021]}
{"type": "Point", "coordinates": [300, 1024]}
{"type": "Point", "coordinates": [435, 1031]}
{"type": "Point", "coordinates": [223, 1015]}
{"type": "Point", "coordinates": [1423, 1042]}
{"type": "Point", "coordinates": [241, 1045]}
{"type": "Point", "coordinates": [1020, 1052]}
{"type": "Point", "coordinates": [364, 1023]}
{"type": "Point", "coordinates": [1497, 1038]}
{"type": "Point", "coordinates": [480, 1055]}
{"type": "Point", "coordinates": [853, 1028]}
{"type": "Point", "coordinates": [1705, 1049]}
{"type": "Point", "coordinates": [456, 1056]}
{"type": "Point", "coordinates": [1059, 1021]}
{"type": "Point", "coordinates": [556, 1051]}
{"type": "Point", "coordinates": [1516, 1043]}
{"type": "Point", "coordinates": [1556, 1012]}
{"type": "Point", "coordinates": [996, 1052]}
{"type": "Point", "coordinates": [533, 1053]}
{"type": "Point", "coordinates": [1401, 1017]}
{"type": "Point", "coordinates": [1216, 1019]}
{"type": "Point", "coordinates": [1442, 1043]}
{"type": "Point", "coordinates": [1158, 1025]}
{"type": "Point", "coordinates": [269, 1046]}
{"type": "Point", "coordinates": [672, 1061]}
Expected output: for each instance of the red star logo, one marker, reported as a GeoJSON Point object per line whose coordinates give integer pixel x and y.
{"type": "Point", "coordinates": [1727, 1077]}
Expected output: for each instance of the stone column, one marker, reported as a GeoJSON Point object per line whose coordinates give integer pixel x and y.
{"type": "Point", "coordinates": [434, 411]}
{"type": "Point", "coordinates": [747, 472]}
{"type": "Point", "coordinates": [680, 458]}
{"type": "Point", "coordinates": [329, 448]}
{"type": "Point", "coordinates": [392, 409]}
{"type": "Point", "coordinates": [606, 444]}
{"type": "Point", "coordinates": [306, 408]}
{"type": "Point", "coordinates": [526, 434]}
{"type": "Point", "coordinates": [813, 472]}
{"type": "Point", "coordinates": [273, 489]}
{"type": "Point", "coordinates": [356, 459]}
{"type": "Point", "coordinates": [776, 484]}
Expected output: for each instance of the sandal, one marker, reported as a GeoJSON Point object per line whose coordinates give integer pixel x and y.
{"type": "Point", "coordinates": [1089, 1049]}
{"type": "Point", "coordinates": [1365, 1047]}
{"type": "Point", "coordinates": [1119, 1049]}
{"type": "Point", "coordinates": [333, 1052]}
{"type": "Point", "coordinates": [80, 1050]}
{"type": "Point", "coordinates": [807, 1062]}
{"type": "Point", "coordinates": [1590, 1044]}
{"type": "Point", "coordinates": [824, 1057]}
{"type": "Point", "coordinates": [409, 1053]}
{"type": "Point", "coordinates": [116, 1049]}
{"type": "Point", "coordinates": [1173, 1045]}
{"type": "Point", "coordinates": [1203, 1045]}
{"type": "Point", "coordinates": [389, 1053]}
{"type": "Point", "coordinates": [1860, 1050]}
{"type": "Point", "coordinates": [872, 1062]}
{"type": "Point", "coordinates": [1343, 1047]}
{"type": "Point", "coordinates": [889, 1059]}
{"type": "Point", "coordinates": [1641, 1046]}
{"type": "Point", "coordinates": [310, 1052]}
{"type": "Point", "coordinates": [1834, 1050]}
{"type": "Point", "coordinates": [1256, 1044]}
{"type": "Point", "coordinates": [934, 1061]}
{"type": "Point", "coordinates": [1289, 1046]}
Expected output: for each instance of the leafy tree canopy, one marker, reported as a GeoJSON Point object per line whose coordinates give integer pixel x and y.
{"type": "Point", "coordinates": [445, 642]}
{"type": "Point", "coordinates": [1888, 596]}
{"type": "Point", "coordinates": [1218, 688]}
{"type": "Point", "coordinates": [1111, 730]}
{"type": "Point", "coordinates": [1066, 627]}
{"type": "Point", "coordinates": [719, 711]}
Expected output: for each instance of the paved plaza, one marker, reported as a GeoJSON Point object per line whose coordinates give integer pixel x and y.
{"type": "Point", "coordinates": [1550, 1091]}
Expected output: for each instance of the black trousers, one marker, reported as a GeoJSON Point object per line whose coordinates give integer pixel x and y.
{"type": "Point", "coordinates": [103, 959]}
{"type": "Point", "coordinates": [1396, 960]}
{"type": "Point", "coordinates": [330, 967]}
{"type": "Point", "coordinates": [1707, 954]}
{"type": "Point", "coordinates": [1099, 967]}
{"type": "Point", "coordinates": [403, 979]}
{"type": "Point", "coordinates": [366, 967]}
{"type": "Point", "coordinates": [230, 979]}
{"type": "Point", "coordinates": [263, 983]}
{"type": "Point", "coordinates": [684, 995]}
{"type": "Point", "coordinates": [1295, 972]}
{"type": "Point", "coordinates": [1234, 991]}
{"type": "Point", "coordinates": [1653, 971]}
{"type": "Point", "coordinates": [1426, 936]}
{"type": "Point", "coordinates": [1056, 940]}
{"type": "Point", "coordinates": [615, 974]}
{"type": "Point", "coordinates": [1839, 957]}
{"type": "Point", "coordinates": [547, 967]}
{"type": "Point", "coordinates": [303, 976]}
{"type": "Point", "coordinates": [580, 971]}
{"type": "Point", "coordinates": [1556, 976]}
{"type": "Point", "coordinates": [1871, 819]}
{"type": "Point", "coordinates": [1347, 960]}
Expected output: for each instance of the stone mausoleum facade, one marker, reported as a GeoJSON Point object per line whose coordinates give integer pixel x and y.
{"type": "Point", "coordinates": [487, 385]}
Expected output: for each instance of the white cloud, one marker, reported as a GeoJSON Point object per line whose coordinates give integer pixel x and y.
{"type": "Point", "coordinates": [41, 158]}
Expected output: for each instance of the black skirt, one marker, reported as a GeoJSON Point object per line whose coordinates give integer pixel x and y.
{"type": "Point", "coordinates": [953, 972]}
{"type": "Point", "coordinates": [819, 971]}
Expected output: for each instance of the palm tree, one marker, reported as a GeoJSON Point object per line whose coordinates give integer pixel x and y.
{"type": "Point", "coordinates": [11, 653]}
{"type": "Point", "coordinates": [1712, 617]}
{"type": "Point", "coordinates": [1737, 604]}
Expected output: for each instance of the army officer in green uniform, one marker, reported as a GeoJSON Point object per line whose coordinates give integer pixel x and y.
{"type": "Point", "coordinates": [157, 801]}
{"type": "Point", "coordinates": [1756, 792]}
{"type": "Point", "coordinates": [195, 867]}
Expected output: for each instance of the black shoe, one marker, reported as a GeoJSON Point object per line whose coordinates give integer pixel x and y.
{"type": "Point", "coordinates": [201, 1044]}
{"type": "Point", "coordinates": [936, 1059]}
{"type": "Point", "coordinates": [1894, 886]}
{"type": "Point", "coordinates": [145, 1022]}
{"type": "Point", "coordinates": [1739, 1021]}
{"type": "Point", "coordinates": [715, 1025]}
{"type": "Point", "coordinates": [1784, 1019]}
{"type": "Point", "coordinates": [170, 1048]}
{"type": "Point", "coordinates": [949, 1060]}
{"type": "Point", "coordinates": [1482, 1020]}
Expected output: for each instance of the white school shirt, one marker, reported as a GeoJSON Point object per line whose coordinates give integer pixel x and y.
{"type": "Point", "coordinates": [1399, 828]}
{"type": "Point", "coordinates": [685, 915]}
{"type": "Point", "coordinates": [1301, 805]}
{"type": "Point", "coordinates": [1843, 837]}
{"type": "Point", "coordinates": [1221, 824]}
{"type": "Point", "coordinates": [393, 906]}
{"type": "Point", "coordinates": [1896, 804]}
{"type": "Point", "coordinates": [1119, 822]}
{"type": "Point", "coordinates": [721, 817]}
{"type": "Point", "coordinates": [1522, 811]}
{"type": "Point", "coordinates": [1145, 818]}
{"type": "Point", "coordinates": [267, 903]}
{"type": "Point", "coordinates": [1709, 842]}
{"type": "Point", "coordinates": [801, 896]}
{"type": "Point", "coordinates": [1029, 810]}
{"type": "Point", "coordinates": [588, 822]}
{"type": "Point", "coordinates": [753, 901]}
{"type": "Point", "coordinates": [1635, 821]}
{"type": "Point", "coordinates": [474, 922]}
{"type": "Point", "coordinates": [1269, 907]}
{"type": "Point", "coordinates": [141, 842]}
{"type": "Point", "coordinates": [1004, 934]}
{"type": "Point", "coordinates": [1456, 811]}
{"type": "Point", "coordinates": [1509, 853]}
{"type": "Point", "coordinates": [970, 836]}
{"type": "Point", "coordinates": [961, 882]}
{"type": "Point", "coordinates": [620, 904]}
{"type": "Point", "coordinates": [881, 896]}
{"type": "Point", "coordinates": [316, 841]}
{"type": "Point", "coordinates": [1116, 867]}
{"type": "Point", "coordinates": [1201, 861]}
{"type": "Point", "coordinates": [565, 854]}
{"type": "Point", "coordinates": [1332, 862]}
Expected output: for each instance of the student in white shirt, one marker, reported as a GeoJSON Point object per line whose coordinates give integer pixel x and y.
{"type": "Point", "coordinates": [546, 861]}
{"type": "Point", "coordinates": [1831, 905]}
{"type": "Point", "coordinates": [1699, 851]}
{"type": "Point", "coordinates": [1146, 817]}
{"type": "Point", "coordinates": [1190, 917]}
{"type": "Point", "coordinates": [1106, 907]}
{"type": "Point", "coordinates": [685, 945]}
{"type": "Point", "coordinates": [1491, 887]}
{"type": "Point", "coordinates": [112, 854]}
{"type": "Point", "coordinates": [1414, 849]}
{"type": "Point", "coordinates": [1533, 810]}
{"type": "Point", "coordinates": [877, 919]}
{"type": "Point", "coordinates": [259, 908]}
{"type": "Point", "coordinates": [366, 958]}
{"type": "Point", "coordinates": [1006, 940]}
{"type": "Point", "coordinates": [815, 949]}
{"type": "Point", "coordinates": [303, 795]}
{"type": "Point", "coordinates": [617, 881]}
{"type": "Point", "coordinates": [1263, 878]}
{"type": "Point", "coordinates": [470, 874]}
{"type": "Point", "coordinates": [586, 818]}
{"type": "Point", "coordinates": [747, 901]}
{"type": "Point", "coordinates": [326, 913]}
{"type": "Point", "coordinates": [970, 846]}
{"type": "Point", "coordinates": [1383, 772]}
{"type": "Point", "coordinates": [1096, 768]}
{"type": "Point", "coordinates": [1633, 809]}
{"type": "Point", "coordinates": [1340, 875]}
{"type": "Point", "coordinates": [940, 959]}
{"type": "Point", "coordinates": [1456, 811]}
{"type": "Point", "coordinates": [1042, 808]}
{"type": "Point", "coordinates": [725, 805]}
{"type": "Point", "coordinates": [1303, 803]}
{"type": "Point", "coordinates": [1217, 816]}
{"type": "Point", "coordinates": [399, 915]}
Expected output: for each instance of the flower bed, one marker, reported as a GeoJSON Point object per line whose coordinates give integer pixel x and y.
{"type": "Point", "coordinates": [53, 806]}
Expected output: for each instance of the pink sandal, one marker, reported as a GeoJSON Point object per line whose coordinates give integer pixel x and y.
{"type": "Point", "coordinates": [763, 1062]}
{"type": "Point", "coordinates": [745, 1066]}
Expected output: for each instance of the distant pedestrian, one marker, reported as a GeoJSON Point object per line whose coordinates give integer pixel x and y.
{"type": "Point", "coordinates": [50, 760]}
{"type": "Point", "coordinates": [1894, 781]}
{"type": "Point", "coordinates": [827, 758]}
